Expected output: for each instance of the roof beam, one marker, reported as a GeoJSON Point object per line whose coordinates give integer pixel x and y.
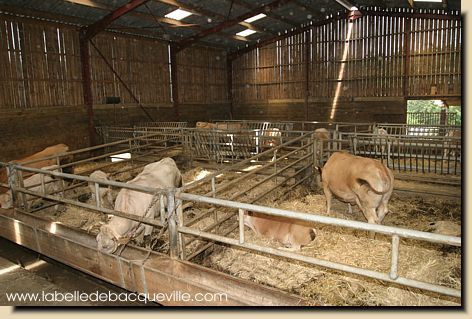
{"type": "Point", "coordinates": [345, 4]}
{"type": "Point", "coordinates": [273, 15]}
{"type": "Point", "coordinates": [147, 17]}
{"type": "Point", "coordinates": [140, 15]}
{"type": "Point", "coordinates": [103, 23]}
{"type": "Point", "coordinates": [228, 23]}
{"type": "Point", "coordinates": [264, 42]}
{"type": "Point", "coordinates": [235, 54]}
{"type": "Point", "coordinates": [210, 14]}
{"type": "Point", "coordinates": [79, 22]}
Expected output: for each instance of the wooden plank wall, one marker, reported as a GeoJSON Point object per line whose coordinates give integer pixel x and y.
{"type": "Point", "coordinates": [41, 99]}
{"type": "Point", "coordinates": [201, 74]}
{"type": "Point", "coordinates": [41, 68]}
{"type": "Point", "coordinates": [365, 58]}
{"type": "Point", "coordinates": [40, 65]}
{"type": "Point", "coordinates": [143, 64]}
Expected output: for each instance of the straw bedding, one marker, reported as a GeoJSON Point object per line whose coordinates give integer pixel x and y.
{"type": "Point", "coordinates": [430, 262]}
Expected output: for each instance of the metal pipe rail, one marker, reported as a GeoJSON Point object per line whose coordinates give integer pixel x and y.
{"type": "Point", "coordinates": [139, 188]}
{"type": "Point", "coordinates": [246, 161]}
{"type": "Point", "coordinates": [394, 232]}
{"type": "Point", "coordinates": [83, 150]}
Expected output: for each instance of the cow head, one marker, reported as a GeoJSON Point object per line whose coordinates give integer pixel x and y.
{"type": "Point", "coordinates": [6, 200]}
{"type": "Point", "coordinates": [106, 241]}
{"type": "Point", "coordinates": [248, 220]}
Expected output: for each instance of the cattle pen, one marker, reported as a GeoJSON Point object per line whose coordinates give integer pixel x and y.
{"type": "Point", "coordinates": [205, 215]}
{"type": "Point", "coordinates": [239, 152]}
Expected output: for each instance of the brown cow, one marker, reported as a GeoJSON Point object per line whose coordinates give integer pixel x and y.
{"type": "Point", "coordinates": [48, 151]}
{"type": "Point", "coordinates": [205, 125]}
{"type": "Point", "coordinates": [289, 232]}
{"type": "Point", "coordinates": [358, 180]}
{"type": "Point", "coordinates": [218, 126]}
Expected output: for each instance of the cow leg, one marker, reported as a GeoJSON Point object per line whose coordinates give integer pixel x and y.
{"type": "Point", "coordinates": [370, 214]}
{"type": "Point", "coordinates": [349, 208]}
{"type": "Point", "coordinates": [329, 197]}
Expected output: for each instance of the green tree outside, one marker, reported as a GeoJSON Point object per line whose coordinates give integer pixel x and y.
{"type": "Point", "coordinates": [429, 106]}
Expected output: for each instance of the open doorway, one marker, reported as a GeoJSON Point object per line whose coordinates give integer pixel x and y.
{"type": "Point", "coordinates": [433, 112]}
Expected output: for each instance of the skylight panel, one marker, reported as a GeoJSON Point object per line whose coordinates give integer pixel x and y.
{"type": "Point", "coordinates": [256, 17]}
{"type": "Point", "coordinates": [178, 14]}
{"type": "Point", "coordinates": [246, 32]}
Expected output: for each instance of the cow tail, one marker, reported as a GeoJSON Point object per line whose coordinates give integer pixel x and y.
{"type": "Point", "coordinates": [378, 180]}
{"type": "Point", "coordinates": [319, 169]}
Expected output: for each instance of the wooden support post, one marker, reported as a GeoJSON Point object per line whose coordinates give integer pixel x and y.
{"type": "Point", "coordinates": [307, 71]}
{"type": "Point", "coordinates": [172, 228]}
{"type": "Point", "coordinates": [229, 75]}
{"type": "Point", "coordinates": [406, 55]}
{"type": "Point", "coordinates": [86, 34]}
{"type": "Point", "coordinates": [87, 84]}
{"type": "Point", "coordinates": [174, 80]}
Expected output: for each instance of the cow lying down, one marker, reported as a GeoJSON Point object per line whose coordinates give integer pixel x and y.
{"type": "Point", "coordinates": [33, 183]}
{"type": "Point", "coordinates": [48, 151]}
{"type": "Point", "coordinates": [291, 233]}
{"type": "Point", "coordinates": [358, 180]}
{"type": "Point", "coordinates": [159, 175]}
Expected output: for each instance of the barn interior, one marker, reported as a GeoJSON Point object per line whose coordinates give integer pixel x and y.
{"type": "Point", "coordinates": [125, 83]}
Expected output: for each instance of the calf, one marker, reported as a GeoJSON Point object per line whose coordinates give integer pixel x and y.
{"type": "Point", "coordinates": [159, 175]}
{"type": "Point", "coordinates": [289, 232]}
{"type": "Point", "coordinates": [33, 183]}
{"type": "Point", "coordinates": [358, 180]}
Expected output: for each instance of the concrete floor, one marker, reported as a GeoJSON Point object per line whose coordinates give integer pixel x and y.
{"type": "Point", "coordinates": [25, 271]}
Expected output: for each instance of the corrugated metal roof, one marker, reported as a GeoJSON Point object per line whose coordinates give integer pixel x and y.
{"type": "Point", "coordinates": [213, 12]}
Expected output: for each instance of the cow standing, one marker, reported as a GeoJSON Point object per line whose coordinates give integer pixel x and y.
{"type": "Point", "coordinates": [358, 180]}
{"type": "Point", "coordinates": [159, 175]}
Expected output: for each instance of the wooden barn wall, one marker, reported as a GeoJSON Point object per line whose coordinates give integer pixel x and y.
{"type": "Point", "coordinates": [364, 70]}
{"type": "Point", "coordinates": [41, 99]}
{"type": "Point", "coordinates": [143, 64]}
{"type": "Point", "coordinates": [202, 83]}
{"type": "Point", "coordinates": [202, 76]}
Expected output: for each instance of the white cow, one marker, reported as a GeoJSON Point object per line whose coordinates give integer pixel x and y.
{"type": "Point", "coordinates": [105, 193]}
{"type": "Point", "coordinates": [159, 175]}
{"type": "Point", "coordinates": [321, 140]}
{"type": "Point", "coordinates": [33, 183]}
{"type": "Point", "coordinates": [383, 133]}
{"type": "Point", "coordinates": [452, 144]}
